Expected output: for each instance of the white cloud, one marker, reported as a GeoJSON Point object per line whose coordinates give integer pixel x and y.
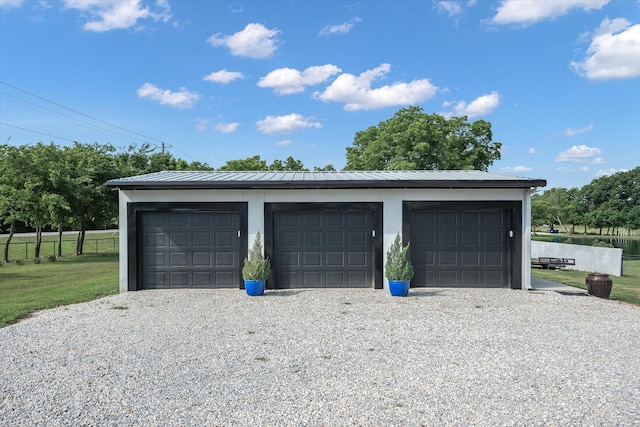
{"type": "Point", "coordinates": [614, 52]}
{"type": "Point", "coordinates": [182, 99]}
{"type": "Point", "coordinates": [9, 4]}
{"type": "Point", "coordinates": [105, 15]}
{"type": "Point", "coordinates": [574, 132]}
{"type": "Point", "coordinates": [452, 8]}
{"type": "Point", "coordinates": [227, 127]}
{"type": "Point", "coordinates": [286, 81]}
{"type": "Point", "coordinates": [517, 169]}
{"type": "Point", "coordinates": [286, 124]}
{"type": "Point", "coordinates": [223, 76]}
{"type": "Point", "coordinates": [608, 172]}
{"type": "Point", "coordinates": [599, 161]}
{"type": "Point", "coordinates": [357, 94]}
{"type": "Point", "coordinates": [528, 12]}
{"type": "Point", "coordinates": [578, 154]}
{"type": "Point", "coordinates": [340, 28]}
{"type": "Point", "coordinates": [284, 143]}
{"type": "Point", "coordinates": [254, 41]}
{"type": "Point", "coordinates": [478, 107]}
{"type": "Point", "coordinates": [571, 170]}
{"type": "Point", "coordinates": [202, 124]}
{"type": "Point", "coordinates": [532, 151]}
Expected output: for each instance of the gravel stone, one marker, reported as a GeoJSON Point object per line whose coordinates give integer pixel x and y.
{"type": "Point", "coordinates": [325, 357]}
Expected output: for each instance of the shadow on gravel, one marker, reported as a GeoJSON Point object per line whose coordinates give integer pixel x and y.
{"type": "Point", "coordinates": [282, 293]}
{"type": "Point", "coordinates": [424, 293]}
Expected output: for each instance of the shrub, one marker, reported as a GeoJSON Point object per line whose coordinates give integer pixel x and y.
{"type": "Point", "coordinates": [398, 266]}
{"type": "Point", "coordinates": [256, 266]}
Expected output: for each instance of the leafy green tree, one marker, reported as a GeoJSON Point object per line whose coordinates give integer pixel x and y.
{"type": "Point", "coordinates": [254, 163]}
{"type": "Point", "coordinates": [290, 164]}
{"type": "Point", "coordinates": [541, 211]}
{"type": "Point", "coordinates": [415, 140]}
{"type": "Point", "coordinates": [14, 196]}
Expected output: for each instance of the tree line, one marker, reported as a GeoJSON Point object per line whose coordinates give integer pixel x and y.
{"type": "Point", "coordinates": [610, 204]}
{"type": "Point", "coordinates": [51, 187]}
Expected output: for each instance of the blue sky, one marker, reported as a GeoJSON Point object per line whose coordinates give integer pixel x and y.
{"type": "Point", "coordinates": [559, 80]}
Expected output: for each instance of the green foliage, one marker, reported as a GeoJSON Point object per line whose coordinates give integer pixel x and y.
{"type": "Point", "coordinates": [415, 140]}
{"type": "Point", "coordinates": [398, 266]}
{"type": "Point", "coordinates": [610, 202]}
{"type": "Point", "coordinates": [256, 266]}
{"type": "Point", "coordinates": [255, 163]}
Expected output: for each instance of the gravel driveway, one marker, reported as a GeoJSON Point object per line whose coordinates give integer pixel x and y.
{"type": "Point", "coordinates": [325, 357]}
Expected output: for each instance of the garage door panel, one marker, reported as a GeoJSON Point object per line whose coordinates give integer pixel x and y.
{"type": "Point", "coordinates": [178, 239]}
{"type": "Point", "coordinates": [358, 279]}
{"type": "Point", "coordinates": [334, 238]}
{"type": "Point", "coordinates": [470, 219]}
{"type": "Point", "coordinates": [470, 259]}
{"type": "Point", "coordinates": [289, 239]}
{"type": "Point", "coordinates": [155, 259]}
{"type": "Point", "coordinates": [334, 259]}
{"type": "Point", "coordinates": [312, 220]}
{"type": "Point", "coordinates": [459, 248]}
{"type": "Point", "coordinates": [447, 238]}
{"type": "Point", "coordinates": [469, 278]}
{"type": "Point", "coordinates": [336, 250]}
{"type": "Point", "coordinates": [225, 259]}
{"type": "Point", "coordinates": [179, 279]}
{"type": "Point", "coordinates": [154, 239]}
{"type": "Point", "coordinates": [448, 258]}
{"type": "Point", "coordinates": [358, 259]}
{"type": "Point", "coordinates": [311, 259]}
{"type": "Point", "coordinates": [469, 238]}
{"type": "Point", "coordinates": [178, 259]}
{"type": "Point", "coordinates": [185, 249]}
{"type": "Point", "coordinates": [312, 239]}
{"type": "Point", "coordinates": [201, 259]}
{"type": "Point", "coordinates": [178, 220]}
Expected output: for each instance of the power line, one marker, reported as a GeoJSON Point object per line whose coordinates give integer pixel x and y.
{"type": "Point", "coordinates": [69, 118]}
{"type": "Point", "coordinates": [35, 131]}
{"type": "Point", "coordinates": [78, 112]}
{"type": "Point", "coordinates": [161, 145]}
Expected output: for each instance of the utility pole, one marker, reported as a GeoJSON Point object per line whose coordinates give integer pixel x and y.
{"type": "Point", "coordinates": [163, 147]}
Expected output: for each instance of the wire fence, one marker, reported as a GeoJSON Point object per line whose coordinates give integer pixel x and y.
{"type": "Point", "coordinates": [26, 250]}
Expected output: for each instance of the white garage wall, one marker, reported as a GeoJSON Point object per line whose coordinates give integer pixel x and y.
{"type": "Point", "coordinates": [391, 198]}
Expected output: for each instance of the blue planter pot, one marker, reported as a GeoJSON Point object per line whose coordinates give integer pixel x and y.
{"type": "Point", "coordinates": [399, 288]}
{"type": "Point", "coordinates": [254, 288]}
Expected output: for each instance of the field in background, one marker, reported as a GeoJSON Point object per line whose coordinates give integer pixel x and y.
{"type": "Point", "coordinates": [23, 247]}
{"type": "Point", "coordinates": [29, 287]}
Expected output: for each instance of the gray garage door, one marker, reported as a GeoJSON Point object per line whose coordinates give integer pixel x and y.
{"type": "Point", "coordinates": [323, 249]}
{"type": "Point", "coordinates": [190, 250]}
{"type": "Point", "coordinates": [460, 248]}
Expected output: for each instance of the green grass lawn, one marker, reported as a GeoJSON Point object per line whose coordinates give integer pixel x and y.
{"type": "Point", "coordinates": [30, 287]}
{"type": "Point", "coordinates": [24, 247]}
{"type": "Point", "coordinates": [625, 288]}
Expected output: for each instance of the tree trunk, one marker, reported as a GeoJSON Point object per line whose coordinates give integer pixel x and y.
{"type": "Point", "coordinates": [36, 254]}
{"type": "Point", "coordinates": [59, 240]}
{"type": "Point", "coordinates": [564, 227]}
{"type": "Point", "coordinates": [6, 244]}
{"type": "Point", "coordinates": [80, 242]}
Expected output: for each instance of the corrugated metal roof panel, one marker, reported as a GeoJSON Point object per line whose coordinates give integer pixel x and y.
{"type": "Point", "coordinates": [324, 179]}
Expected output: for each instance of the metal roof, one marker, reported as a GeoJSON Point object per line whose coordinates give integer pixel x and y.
{"type": "Point", "coordinates": [322, 179]}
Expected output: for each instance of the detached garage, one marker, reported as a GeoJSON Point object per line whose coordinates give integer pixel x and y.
{"type": "Point", "coordinates": [324, 229]}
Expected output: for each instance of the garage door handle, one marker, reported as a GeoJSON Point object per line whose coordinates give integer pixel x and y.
{"type": "Point", "coordinates": [238, 233]}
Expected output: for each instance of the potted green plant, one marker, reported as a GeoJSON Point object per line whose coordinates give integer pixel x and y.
{"type": "Point", "coordinates": [398, 269]}
{"type": "Point", "coordinates": [256, 269]}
